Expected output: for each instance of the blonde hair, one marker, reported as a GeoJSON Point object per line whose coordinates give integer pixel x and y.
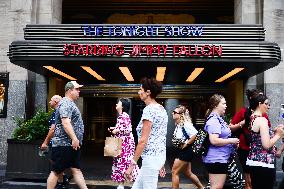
{"type": "Point", "coordinates": [184, 114]}
{"type": "Point", "coordinates": [56, 98]}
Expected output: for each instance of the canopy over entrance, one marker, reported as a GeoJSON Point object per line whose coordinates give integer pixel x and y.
{"type": "Point", "coordinates": [123, 54]}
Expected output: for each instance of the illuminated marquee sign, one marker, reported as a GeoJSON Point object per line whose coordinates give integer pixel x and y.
{"type": "Point", "coordinates": [142, 50]}
{"type": "Point", "coordinates": [142, 31]}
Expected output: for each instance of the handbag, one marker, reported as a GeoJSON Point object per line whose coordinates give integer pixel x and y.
{"type": "Point", "coordinates": [178, 142]}
{"type": "Point", "coordinates": [201, 143]}
{"type": "Point", "coordinates": [113, 146]}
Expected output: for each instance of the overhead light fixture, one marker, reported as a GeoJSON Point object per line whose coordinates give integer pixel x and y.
{"type": "Point", "coordinates": [161, 73]}
{"type": "Point", "coordinates": [194, 74]}
{"type": "Point", "coordinates": [125, 71]}
{"type": "Point", "coordinates": [59, 72]}
{"type": "Point", "coordinates": [228, 75]}
{"type": "Point", "coordinates": [93, 73]}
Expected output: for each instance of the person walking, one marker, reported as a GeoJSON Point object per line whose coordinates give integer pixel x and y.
{"type": "Point", "coordinates": [151, 131]}
{"type": "Point", "coordinates": [47, 143]}
{"type": "Point", "coordinates": [221, 145]}
{"type": "Point", "coordinates": [67, 140]}
{"type": "Point", "coordinates": [186, 133]}
{"type": "Point", "coordinates": [54, 101]}
{"type": "Point", "coordinates": [239, 125]}
{"type": "Point", "coordinates": [123, 130]}
{"type": "Point", "coordinates": [262, 154]}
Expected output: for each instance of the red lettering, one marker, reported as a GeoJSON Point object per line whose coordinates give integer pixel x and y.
{"type": "Point", "coordinates": [165, 47]}
{"type": "Point", "coordinates": [66, 49]}
{"type": "Point", "coordinates": [74, 48]}
{"type": "Point", "coordinates": [118, 50]}
{"type": "Point", "coordinates": [205, 52]}
{"type": "Point", "coordinates": [217, 50]}
{"type": "Point", "coordinates": [151, 49]}
{"type": "Point", "coordinates": [89, 50]}
{"type": "Point", "coordinates": [182, 50]}
{"type": "Point", "coordinates": [196, 51]}
{"type": "Point", "coordinates": [80, 50]}
{"type": "Point", "coordinates": [175, 49]}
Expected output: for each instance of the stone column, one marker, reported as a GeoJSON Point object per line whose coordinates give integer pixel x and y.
{"type": "Point", "coordinates": [47, 12]}
{"type": "Point", "coordinates": [273, 21]}
{"type": "Point", "coordinates": [170, 105]}
{"type": "Point", "coordinates": [250, 12]}
{"type": "Point", "coordinates": [14, 15]}
{"type": "Point", "coordinates": [270, 13]}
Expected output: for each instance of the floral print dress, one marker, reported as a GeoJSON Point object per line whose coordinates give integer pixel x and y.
{"type": "Point", "coordinates": [257, 153]}
{"type": "Point", "coordinates": [122, 162]}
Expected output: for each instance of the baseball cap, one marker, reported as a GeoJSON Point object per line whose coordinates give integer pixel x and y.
{"type": "Point", "coordinates": [72, 85]}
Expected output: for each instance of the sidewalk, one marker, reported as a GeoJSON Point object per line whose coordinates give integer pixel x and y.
{"type": "Point", "coordinates": [102, 183]}
{"type": "Point", "coordinates": [92, 184]}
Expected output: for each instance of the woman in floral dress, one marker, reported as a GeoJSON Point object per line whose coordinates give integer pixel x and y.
{"type": "Point", "coordinates": [262, 155]}
{"type": "Point", "coordinates": [123, 130]}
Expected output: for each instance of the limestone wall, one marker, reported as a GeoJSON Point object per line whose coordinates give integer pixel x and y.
{"type": "Point", "coordinates": [14, 15]}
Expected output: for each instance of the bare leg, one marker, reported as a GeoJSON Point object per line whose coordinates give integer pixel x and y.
{"type": "Point", "coordinates": [79, 178]}
{"type": "Point", "coordinates": [52, 180]}
{"type": "Point", "coordinates": [177, 167]}
{"type": "Point", "coordinates": [248, 181]}
{"type": "Point", "coordinates": [191, 176]}
{"type": "Point", "coordinates": [217, 181]}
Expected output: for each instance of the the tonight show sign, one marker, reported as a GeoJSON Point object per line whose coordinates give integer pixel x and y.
{"type": "Point", "coordinates": [149, 50]}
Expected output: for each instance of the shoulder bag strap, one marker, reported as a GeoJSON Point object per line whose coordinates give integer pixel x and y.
{"type": "Point", "coordinates": [184, 133]}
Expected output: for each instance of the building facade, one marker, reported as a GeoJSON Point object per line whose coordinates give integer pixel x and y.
{"type": "Point", "coordinates": [31, 88]}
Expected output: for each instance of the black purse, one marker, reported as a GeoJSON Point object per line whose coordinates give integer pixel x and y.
{"type": "Point", "coordinates": [178, 142]}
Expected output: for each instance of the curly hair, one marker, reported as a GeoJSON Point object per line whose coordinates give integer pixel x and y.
{"type": "Point", "coordinates": [151, 84]}
{"type": "Point", "coordinates": [184, 114]}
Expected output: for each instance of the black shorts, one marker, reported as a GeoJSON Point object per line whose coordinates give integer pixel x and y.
{"type": "Point", "coordinates": [217, 168]}
{"type": "Point", "coordinates": [185, 154]}
{"type": "Point", "coordinates": [243, 154]}
{"type": "Point", "coordinates": [64, 157]}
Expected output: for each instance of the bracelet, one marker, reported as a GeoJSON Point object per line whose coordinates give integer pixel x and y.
{"type": "Point", "coordinates": [133, 162]}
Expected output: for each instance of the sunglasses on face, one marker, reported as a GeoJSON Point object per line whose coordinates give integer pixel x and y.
{"type": "Point", "coordinates": [174, 112]}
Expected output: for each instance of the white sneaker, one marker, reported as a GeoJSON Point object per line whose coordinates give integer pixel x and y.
{"type": "Point", "coordinates": [120, 186]}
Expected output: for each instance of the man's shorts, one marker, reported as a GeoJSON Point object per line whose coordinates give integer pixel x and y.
{"type": "Point", "coordinates": [64, 157]}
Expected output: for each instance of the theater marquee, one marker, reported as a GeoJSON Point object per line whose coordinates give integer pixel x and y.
{"type": "Point", "coordinates": [136, 50]}
{"type": "Point", "coordinates": [142, 50]}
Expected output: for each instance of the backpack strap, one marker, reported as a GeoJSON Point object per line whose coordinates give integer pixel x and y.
{"type": "Point", "coordinates": [210, 116]}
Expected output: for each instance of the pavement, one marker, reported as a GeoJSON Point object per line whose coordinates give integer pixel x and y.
{"type": "Point", "coordinates": [164, 183]}
{"type": "Point", "coordinates": [99, 178]}
{"type": "Point", "coordinates": [106, 184]}
{"type": "Point", "coordinates": [99, 183]}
